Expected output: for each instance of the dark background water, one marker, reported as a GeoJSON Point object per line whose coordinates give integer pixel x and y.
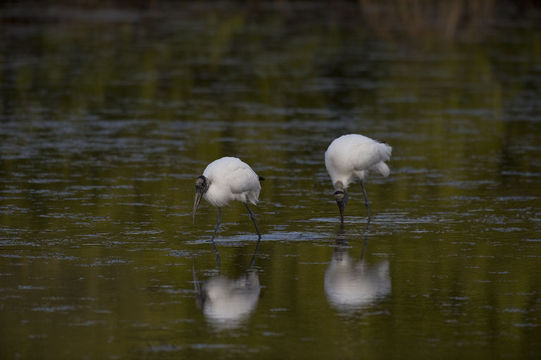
{"type": "Point", "coordinates": [109, 111]}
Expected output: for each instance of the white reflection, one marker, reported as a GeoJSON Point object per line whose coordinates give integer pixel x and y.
{"type": "Point", "coordinates": [351, 285]}
{"type": "Point", "coordinates": [226, 302]}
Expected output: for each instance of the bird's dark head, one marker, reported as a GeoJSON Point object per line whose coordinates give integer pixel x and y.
{"type": "Point", "coordinates": [201, 184]}
{"type": "Point", "coordinates": [201, 187]}
{"type": "Point", "coordinates": [341, 197]}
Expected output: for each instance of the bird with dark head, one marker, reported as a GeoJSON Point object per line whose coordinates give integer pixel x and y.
{"type": "Point", "coordinates": [225, 180]}
{"type": "Point", "coordinates": [351, 157]}
{"type": "Point", "coordinates": [341, 198]}
{"type": "Point", "coordinates": [201, 187]}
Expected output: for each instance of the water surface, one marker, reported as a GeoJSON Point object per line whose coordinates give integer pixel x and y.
{"type": "Point", "coordinates": [108, 114]}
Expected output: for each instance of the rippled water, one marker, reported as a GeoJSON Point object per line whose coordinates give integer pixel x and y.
{"type": "Point", "coordinates": [108, 114]}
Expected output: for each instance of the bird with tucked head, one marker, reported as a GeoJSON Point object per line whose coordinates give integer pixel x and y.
{"type": "Point", "coordinates": [351, 157]}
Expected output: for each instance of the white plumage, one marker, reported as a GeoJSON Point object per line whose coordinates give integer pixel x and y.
{"type": "Point", "coordinates": [225, 180]}
{"type": "Point", "coordinates": [351, 157]}
{"type": "Point", "coordinates": [231, 179]}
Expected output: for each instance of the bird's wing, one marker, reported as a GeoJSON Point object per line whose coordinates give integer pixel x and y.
{"type": "Point", "coordinates": [243, 179]}
{"type": "Point", "coordinates": [369, 154]}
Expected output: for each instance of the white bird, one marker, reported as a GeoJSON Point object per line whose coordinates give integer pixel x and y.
{"type": "Point", "coordinates": [351, 157]}
{"type": "Point", "coordinates": [224, 180]}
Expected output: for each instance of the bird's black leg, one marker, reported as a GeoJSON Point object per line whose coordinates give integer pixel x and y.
{"type": "Point", "coordinates": [366, 200]}
{"type": "Point", "coordinates": [253, 220]}
{"type": "Point", "coordinates": [218, 222]}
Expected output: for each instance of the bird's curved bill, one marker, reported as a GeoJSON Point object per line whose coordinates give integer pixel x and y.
{"type": "Point", "coordinates": [341, 208]}
{"type": "Point", "coordinates": [341, 200]}
{"type": "Point", "coordinates": [196, 202]}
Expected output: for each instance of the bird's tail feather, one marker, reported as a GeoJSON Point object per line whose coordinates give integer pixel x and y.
{"type": "Point", "coordinates": [385, 151]}
{"type": "Point", "coordinates": [382, 168]}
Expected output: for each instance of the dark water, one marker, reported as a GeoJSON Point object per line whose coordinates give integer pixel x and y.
{"type": "Point", "coordinates": [107, 115]}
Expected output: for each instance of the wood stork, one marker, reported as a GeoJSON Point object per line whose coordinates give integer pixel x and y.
{"type": "Point", "coordinates": [351, 157]}
{"type": "Point", "coordinates": [224, 180]}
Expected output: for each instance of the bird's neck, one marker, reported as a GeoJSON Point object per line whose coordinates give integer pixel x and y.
{"type": "Point", "coordinates": [339, 186]}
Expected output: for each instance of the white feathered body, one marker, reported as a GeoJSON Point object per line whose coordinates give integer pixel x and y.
{"type": "Point", "coordinates": [352, 156]}
{"type": "Point", "coordinates": [231, 179]}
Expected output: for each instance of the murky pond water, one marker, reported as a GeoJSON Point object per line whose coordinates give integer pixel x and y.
{"type": "Point", "coordinates": [107, 115]}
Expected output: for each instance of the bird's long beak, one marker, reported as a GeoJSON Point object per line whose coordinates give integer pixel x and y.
{"type": "Point", "coordinates": [197, 200]}
{"type": "Point", "coordinates": [341, 207]}
{"type": "Point", "coordinates": [341, 200]}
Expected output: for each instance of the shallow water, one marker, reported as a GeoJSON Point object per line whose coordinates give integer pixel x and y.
{"type": "Point", "coordinates": [108, 114]}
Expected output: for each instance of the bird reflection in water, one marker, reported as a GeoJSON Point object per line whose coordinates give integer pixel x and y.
{"type": "Point", "coordinates": [352, 285]}
{"type": "Point", "coordinates": [227, 302]}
